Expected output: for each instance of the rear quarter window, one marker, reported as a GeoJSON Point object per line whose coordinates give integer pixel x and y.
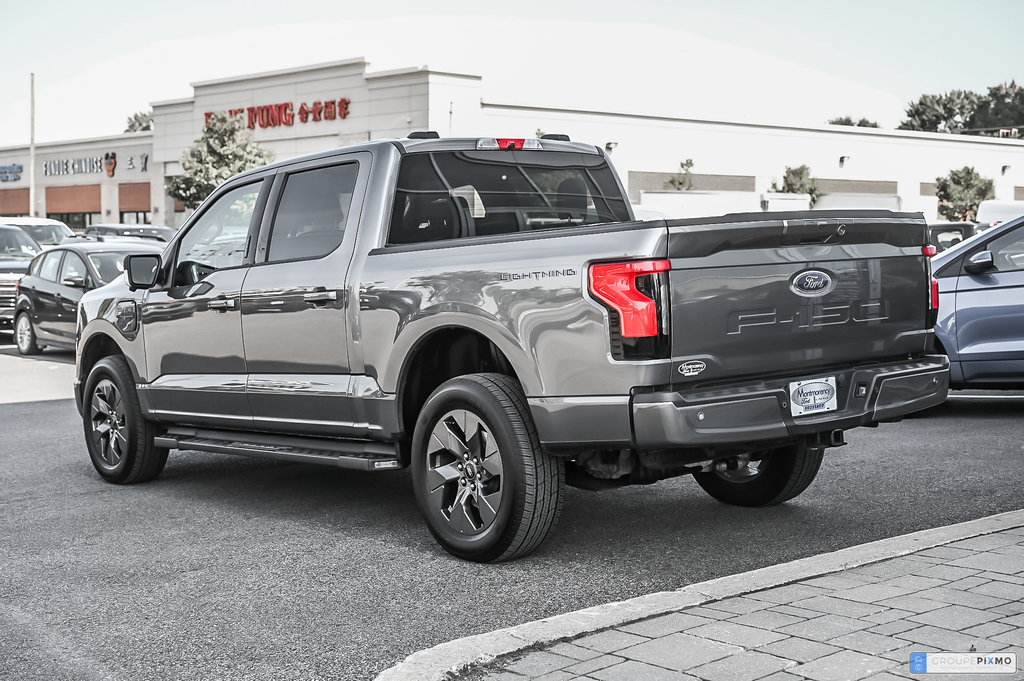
{"type": "Point", "coordinates": [452, 195]}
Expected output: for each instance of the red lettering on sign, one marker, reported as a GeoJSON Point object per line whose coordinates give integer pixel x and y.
{"type": "Point", "coordinates": [303, 112]}
{"type": "Point", "coordinates": [252, 117]}
{"type": "Point", "coordinates": [330, 110]}
{"type": "Point", "coordinates": [343, 107]}
{"type": "Point", "coordinates": [287, 117]}
{"type": "Point", "coordinates": [206, 119]}
{"type": "Point", "coordinates": [273, 115]}
{"type": "Point", "coordinates": [317, 109]}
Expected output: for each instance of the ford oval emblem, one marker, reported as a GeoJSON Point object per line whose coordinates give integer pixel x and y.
{"type": "Point", "coordinates": [812, 283]}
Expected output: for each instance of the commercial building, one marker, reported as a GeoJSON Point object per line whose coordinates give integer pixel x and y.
{"type": "Point", "coordinates": [303, 110]}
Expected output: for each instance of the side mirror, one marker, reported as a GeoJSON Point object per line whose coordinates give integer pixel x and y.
{"type": "Point", "coordinates": [142, 270]}
{"type": "Point", "coordinates": [74, 282]}
{"type": "Point", "coordinates": [979, 262]}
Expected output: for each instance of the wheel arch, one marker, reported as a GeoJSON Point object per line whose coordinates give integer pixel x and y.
{"type": "Point", "coordinates": [442, 354]}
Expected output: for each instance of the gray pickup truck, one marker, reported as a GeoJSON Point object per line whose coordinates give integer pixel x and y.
{"type": "Point", "coordinates": [488, 313]}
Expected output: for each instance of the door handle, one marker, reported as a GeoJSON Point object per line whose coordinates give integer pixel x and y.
{"type": "Point", "coordinates": [222, 304]}
{"type": "Point", "coordinates": [320, 296]}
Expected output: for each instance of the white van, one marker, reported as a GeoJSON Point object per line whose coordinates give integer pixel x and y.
{"type": "Point", "coordinates": [991, 213]}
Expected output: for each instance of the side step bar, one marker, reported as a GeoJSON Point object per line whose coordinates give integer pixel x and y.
{"type": "Point", "coordinates": [362, 455]}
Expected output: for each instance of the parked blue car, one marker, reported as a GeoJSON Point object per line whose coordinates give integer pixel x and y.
{"type": "Point", "coordinates": [981, 308]}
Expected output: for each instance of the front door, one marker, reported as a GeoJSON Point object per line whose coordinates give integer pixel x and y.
{"type": "Point", "coordinates": [990, 314]}
{"type": "Point", "coordinates": [193, 327]}
{"type": "Point", "coordinates": [294, 307]}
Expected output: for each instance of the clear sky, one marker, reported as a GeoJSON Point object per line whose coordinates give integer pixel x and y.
{"type": "Point", "coordinates": [798, 61]}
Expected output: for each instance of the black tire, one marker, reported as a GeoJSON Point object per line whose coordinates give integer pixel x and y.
{"type": "Point", "coordinates": [779, 476]}
{"type": "Point", "coordinates": [119, 439]}
{"type": "Point", "coordinates": [25, 335]}
{"type": "Point", "coordinates": [490, 456]}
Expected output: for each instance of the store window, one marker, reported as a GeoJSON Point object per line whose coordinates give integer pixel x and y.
{"type": "Point", "coordinates": [135, 217]}
{"type": "Point", "coordinates": [76, 221]}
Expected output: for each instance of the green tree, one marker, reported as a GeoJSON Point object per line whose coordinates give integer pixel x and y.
{"type": "Point", "coordinates": [847, 120]}
{"type": "Point", "coordinates": [139, 121]}
{"type": "Point", "coordinates": [948, 112]}
{"type": "Point", "coordinates": [683, 180]}
{"type": "Point", "coordinates": [960, 192]}
{"type": "Point", "coordinates": [1002, 108]}
{"type": "Point", "coordinates": [798, 181]}
{"type": "Point", "coordinates": [224, 149]}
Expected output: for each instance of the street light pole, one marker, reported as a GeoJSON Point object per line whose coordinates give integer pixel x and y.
{"type": "Point", "coordinates": [32, 151]}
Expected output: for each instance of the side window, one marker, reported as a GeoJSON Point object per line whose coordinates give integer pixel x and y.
{"type": "Point", "coordinates": [51, 263]}
{"type": "Point", "coordinates": [1008, 251]}
{"type": "Point", "coordinates": [311, 215]}
{"type": "Point", "coordinates": [73, 267]}
{"type": "Point", "coordinates": [218, 238]}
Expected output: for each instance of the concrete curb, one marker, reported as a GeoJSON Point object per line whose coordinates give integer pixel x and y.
{"type": "Point", "coordinates": [445, 660]}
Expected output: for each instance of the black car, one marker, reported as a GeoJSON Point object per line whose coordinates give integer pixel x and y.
{"type": "Point", "coordinates": [154, 232]}
{"type": "Point", "coordinates": [48, 295]}
{"type": "Point", "coordinates": [16, 251]}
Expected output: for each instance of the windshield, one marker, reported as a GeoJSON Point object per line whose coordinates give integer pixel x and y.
{"type": "Point", "coordinates": [49, 234]}
{"type": "Point", "coordinates": [455, 194]}
{"type": "Point", "coordinates": [15, 243]}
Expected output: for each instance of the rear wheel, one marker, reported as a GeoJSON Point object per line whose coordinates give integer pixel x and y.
{"type": "Point", "coordinates": [779, 475]}
{"type": "Point", "coordinates": [25, 335]}
{"type": "Point", "coordinates": [119, 439]}
{"type": "Point", "coordinates": [483, 483]}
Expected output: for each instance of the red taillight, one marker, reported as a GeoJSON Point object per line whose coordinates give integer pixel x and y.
{"type": "Point", "coordinates": [508, 144]}
{"type": "Point", "coordinates": [615, 285]}
{"type": "Point", "coordinates": [935, 294]}
{"type": "Point", "coordinates": [929, 250]}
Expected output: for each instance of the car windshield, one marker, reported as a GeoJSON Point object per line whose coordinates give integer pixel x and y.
{"type": "Point", "coordinates": [49, 234]}
{"type": "Point", "coordinates": [109, 265]}
{"type": "Point", "coordinates": [15, 243]}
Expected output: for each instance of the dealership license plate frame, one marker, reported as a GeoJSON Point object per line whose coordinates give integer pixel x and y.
{"type": "Point", "coordinates": [798, 408]}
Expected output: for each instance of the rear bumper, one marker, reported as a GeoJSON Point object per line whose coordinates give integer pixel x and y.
{"type": "Point", "coordinates": [760, 412]}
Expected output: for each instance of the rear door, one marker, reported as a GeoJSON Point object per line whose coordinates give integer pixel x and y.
{"type": "Point", "coordinates": [990, 314]}
{"type": "Point", "coordinates": [295, 305]}
{"type": "Point", "coordinates": [46, 300]}
{"type": "Point", "coordinates": [758, 294]}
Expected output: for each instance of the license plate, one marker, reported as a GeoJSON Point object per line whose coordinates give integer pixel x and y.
{"type": "Point", "coordinates": [813, 396]}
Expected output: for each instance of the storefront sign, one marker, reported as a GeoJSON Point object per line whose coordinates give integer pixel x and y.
{"type": "Point", "coordinates": [285, 113]}
{"type": "Point", "coordinates": [11, 173]}
{"type": "Point", "coordinates": [73, 166]}
{"type": "Point", "coordinates": [105, 163]}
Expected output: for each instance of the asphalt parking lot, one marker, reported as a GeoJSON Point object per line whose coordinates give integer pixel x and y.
{"type": "Point", "coordinates": [232, 568]}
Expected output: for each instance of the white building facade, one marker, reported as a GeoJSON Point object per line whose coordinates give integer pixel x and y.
{"type": "Point", "coordinates": [309, 109]}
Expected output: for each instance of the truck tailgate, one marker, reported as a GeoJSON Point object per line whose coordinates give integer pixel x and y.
{"type": "Point", "coordinates": [765, 294]}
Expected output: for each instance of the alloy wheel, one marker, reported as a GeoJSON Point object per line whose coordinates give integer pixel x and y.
{"type": "Point", "coordinates": [109, 430]}
{"type": "Point", "coordinates": [464, 472]}
{"type": "Point", "coordinates": [23, 333]}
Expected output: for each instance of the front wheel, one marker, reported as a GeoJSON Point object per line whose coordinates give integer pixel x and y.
{"type": "Point", "coordinates": [777, 476]}
{"type": "Point", "coordinates": [484, 485]}
{"type": "Point", "coordinates": [119, 438]}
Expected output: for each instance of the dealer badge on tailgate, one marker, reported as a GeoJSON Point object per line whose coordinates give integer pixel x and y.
{"type": "Point", "coordinates": [812, 397]}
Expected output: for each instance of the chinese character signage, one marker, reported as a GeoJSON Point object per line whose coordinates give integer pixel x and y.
{"type": "Point", "coordinates": [285, 113]}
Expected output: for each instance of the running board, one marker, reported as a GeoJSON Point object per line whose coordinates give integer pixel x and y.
{"type": "Point", "coordinates": [362, 455]}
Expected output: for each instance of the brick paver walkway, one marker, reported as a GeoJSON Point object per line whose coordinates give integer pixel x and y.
{"type": "Point", "coordinates": [861, 623]}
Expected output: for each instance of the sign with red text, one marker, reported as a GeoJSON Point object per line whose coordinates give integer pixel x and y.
{"type": "Point", "coordinates": [287, 113]}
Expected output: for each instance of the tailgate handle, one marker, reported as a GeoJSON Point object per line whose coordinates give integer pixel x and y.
{"type": "Point", "coordinates": [814, 231]}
